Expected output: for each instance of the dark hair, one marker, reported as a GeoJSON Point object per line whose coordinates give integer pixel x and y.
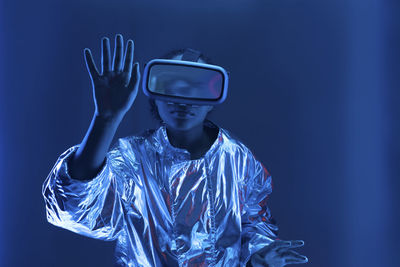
{"type": "Point", "coordinates": [169, 55]}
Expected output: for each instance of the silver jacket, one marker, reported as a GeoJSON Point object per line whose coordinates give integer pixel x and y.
{"type": "Point", "coordinates": [164, 209]}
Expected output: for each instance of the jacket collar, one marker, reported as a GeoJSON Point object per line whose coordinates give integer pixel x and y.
{"type": "Point", "coordinates": [165, 148]}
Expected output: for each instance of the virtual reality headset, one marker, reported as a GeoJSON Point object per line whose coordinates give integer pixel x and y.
{"type": "Point", "coordinates": [185, 81]}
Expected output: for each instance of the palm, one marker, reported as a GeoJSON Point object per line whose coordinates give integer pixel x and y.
{"type": "Point", "coordinates": [115, 89]}
{"type": "Point", "coordinates": [111, 94]}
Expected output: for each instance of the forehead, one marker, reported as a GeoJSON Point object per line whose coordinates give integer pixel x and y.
{"type": "Point", "coordinates": [179, 57]}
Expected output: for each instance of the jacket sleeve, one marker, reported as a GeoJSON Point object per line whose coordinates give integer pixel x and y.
{"type": "Point", "coordinates": [92, 208]}
{"type": "Point", "coordinates": [259, 228]}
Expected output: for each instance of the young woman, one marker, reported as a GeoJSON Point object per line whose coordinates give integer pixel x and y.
{"type": "Point", "coordinates": [185, 194]}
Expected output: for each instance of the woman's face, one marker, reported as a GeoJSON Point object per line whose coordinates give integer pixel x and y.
{"type": "Point", "coordinates": [182, 117]}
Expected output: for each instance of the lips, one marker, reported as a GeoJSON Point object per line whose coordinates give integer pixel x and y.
{"type": "Point", "coordinates": [182, 111]}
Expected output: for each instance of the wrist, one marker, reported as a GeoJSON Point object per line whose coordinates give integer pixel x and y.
{"type": "Point", "coordinates": [112, 118]}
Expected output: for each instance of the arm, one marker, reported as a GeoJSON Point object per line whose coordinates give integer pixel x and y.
{"type": "Point", "coordinates": [114, 91]}
{"type": "Point", "coordinates": [90, 156]}
{"type": "Point", "coordinates": [93, 208]}
{"type": "Point", "coordinates": [84, 189]}
{"type": "Point", "coordinates": [261, 245]}
{"type": "Point", "coordinates": [259, 229]}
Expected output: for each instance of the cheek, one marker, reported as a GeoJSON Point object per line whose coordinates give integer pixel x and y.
{"type": "Point", "coordinates": [164, 113]}
{"type": "Point", "coordinates": [205, 111]}
{"type": "Point", "coordinates": [162, 109]}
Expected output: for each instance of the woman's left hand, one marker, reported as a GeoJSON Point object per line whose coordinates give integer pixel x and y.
{"type": "Point", "coordinates": [278, 254]}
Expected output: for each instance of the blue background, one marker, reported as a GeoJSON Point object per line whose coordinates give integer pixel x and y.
{"type": "Point", "coordinates": [314, 92]}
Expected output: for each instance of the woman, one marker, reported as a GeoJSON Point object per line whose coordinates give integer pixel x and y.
{"type": "Point", "coordinates": [185, 194]}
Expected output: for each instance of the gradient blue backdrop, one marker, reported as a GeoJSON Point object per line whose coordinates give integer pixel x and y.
{"type": "Point", "coordinates": [314, 92]}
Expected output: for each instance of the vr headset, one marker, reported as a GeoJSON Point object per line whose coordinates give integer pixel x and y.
{"type": "Point", "coordinates": [185, 81]}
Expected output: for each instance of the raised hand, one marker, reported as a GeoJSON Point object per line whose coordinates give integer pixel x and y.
{"type": "Point", "coordinates": [115, 89]}
{"type": "Point", "coordinates": [278, 254]}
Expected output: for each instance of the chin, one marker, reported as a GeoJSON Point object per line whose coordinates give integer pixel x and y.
{"type": "Point", "coordinates": [182, 125]}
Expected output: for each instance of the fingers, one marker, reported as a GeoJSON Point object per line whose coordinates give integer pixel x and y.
{"type": "Point", "coordinates": [90, 64]}
{"type": "Point", "coordinates": [135, 76]}
{"type": "Point", "coordinates": [282, 245]}
{"type": "Point", "coordinates": [293, 244]}
{"type": "Point", "coordinates": [274, 245]}
{"type": "Point", "coordinates": [292, 256]}
{"type": "Point", "coordinates": [118, 53]}
{"type": "Point", "coordinates": [296, 243]}
{"type": "Point", "coordinates": [286, 244]}
{"type": "Point", "coordinates": [257, 260]}
{"type": "Point", "coordinates": [128, 64]}
{"type": "Point", "coordinates": [105, 55]}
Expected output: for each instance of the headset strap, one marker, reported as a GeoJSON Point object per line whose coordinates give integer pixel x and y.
{"type": "Point", "coordinates": [191, 55]}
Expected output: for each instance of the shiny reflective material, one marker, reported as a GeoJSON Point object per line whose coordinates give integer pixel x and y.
{"type": "Point", "coordinates": [185, 82]}
{"type": "Point", "coordinates": [165, 209]}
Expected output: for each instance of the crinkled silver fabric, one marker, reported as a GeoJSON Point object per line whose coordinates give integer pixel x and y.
{"type": "Point", "coordinates": [164, 209]}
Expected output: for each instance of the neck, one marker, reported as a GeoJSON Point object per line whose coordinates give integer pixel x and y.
{"type": "Point", "coordinates": [193, 139]}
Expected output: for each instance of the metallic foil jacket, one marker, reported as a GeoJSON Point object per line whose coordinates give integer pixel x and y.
{"type": "Point", "coordinates": [164, 209]}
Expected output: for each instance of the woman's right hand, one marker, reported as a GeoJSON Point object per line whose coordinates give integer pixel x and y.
{"type": "Point", "coordinates": [279, 253]}
{"type": "Point", "coordinates": [115, 89]}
